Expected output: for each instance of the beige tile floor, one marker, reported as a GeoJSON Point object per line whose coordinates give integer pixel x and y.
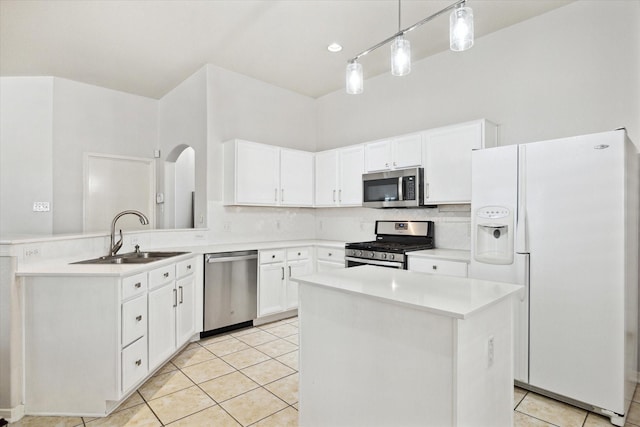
{"type": "Point", "coordinates": [250, 378]}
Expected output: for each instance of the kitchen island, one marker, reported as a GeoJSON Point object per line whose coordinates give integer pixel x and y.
{"type": "Point", "coordinates": [381, 347]}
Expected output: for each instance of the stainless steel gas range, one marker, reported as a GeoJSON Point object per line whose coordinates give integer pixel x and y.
{"type": "Point", "coordinates": [393, 240]}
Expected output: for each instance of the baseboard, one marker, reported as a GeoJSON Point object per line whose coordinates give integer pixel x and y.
{"type": "Point", "coordinates": [12, 415]}
{"type": "Point", "coordinates": [275, 317]}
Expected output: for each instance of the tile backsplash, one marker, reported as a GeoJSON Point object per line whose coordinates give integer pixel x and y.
{"type": "Point", "coordinates": [247, 224]}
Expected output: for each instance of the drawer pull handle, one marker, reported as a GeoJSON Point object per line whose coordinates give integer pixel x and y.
{"type": "Point", "coordinates": [330, 254]}
{"type": "Point", "coordinates": [299, 254]}
{"type": "Point", "coordinates": [435, 267]}
{"type": "Point", "coordinates": [166, 274]}
{"type": "Point", "coordinates": [189, 267]}
{"type": "Point", "coordinates": [181, 294]}
{"type": "Point", "coordinates": [139, 317]}
{"type": "Point", "coordinates": [273, 256]}
{"type": "Point", "coordinates": [137, 285]}
{"type": "Point", "coordinates": [175, 297]}
{"type": "Point", "coordinates": [138, 362]}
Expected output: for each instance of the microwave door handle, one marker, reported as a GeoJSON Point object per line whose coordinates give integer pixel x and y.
{"type": "Point", "coordinates": [400, 195]}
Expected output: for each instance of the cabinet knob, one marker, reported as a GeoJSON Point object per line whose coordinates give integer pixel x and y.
{"type": "Point", "coordinates": [137, 285]}
{"type": "Point", "coordinates": [330, 254]}
{"type": "Point", "coordinates": [435, 267]}
{"type": "Point", "coordinates": [299, 254]}
{"type": "Point", "coordinates": [189, 267]}
{"type": "Point", "coordinates": [166, 274]}
{"type": "Point", "coordinates": [139, 317]}
{"type": "Point", "coordinates": [273, 256]}
{"type": "Point", "coordinates": [138, 362]}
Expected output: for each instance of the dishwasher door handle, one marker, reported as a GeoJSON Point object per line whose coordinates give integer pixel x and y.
{"type": "Point", "coordinates": [231, 258]}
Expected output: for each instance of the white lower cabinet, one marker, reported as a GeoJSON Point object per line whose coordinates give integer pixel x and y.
{"type": "Point", "coordinates": [329, 258]}
{"type": "Point", "coordinates": [171, 310]}
{"type": "Point", "coordinates": [89, 341]}
{"type": "Point", "coordinates": [437, 266]}
{"type": "Point", "coordinates": [276, 291]}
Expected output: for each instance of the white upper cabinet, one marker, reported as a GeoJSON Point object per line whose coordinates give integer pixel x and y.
{"type": "Point", "coordinates": [395, 153]}
{"type": "Point", "coordinates": [447, 160]}
{"type": "Point", "coordinates": [339, 176]}
{"type": "Point", "coordinates": [266, 175]}
{"type": "Point", "coordinates": [296, 177]}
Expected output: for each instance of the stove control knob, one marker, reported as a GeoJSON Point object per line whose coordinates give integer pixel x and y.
{"type": "Point", "coordinates": [358, 253]}
{"type": "Point", "coordinates": [392, 256]}
{"type": "Point", "coordinates": [384, 256]}
{"type": "Point", "coordinates": [372, 255]}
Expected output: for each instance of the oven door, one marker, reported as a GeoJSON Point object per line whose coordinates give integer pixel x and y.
{"type": "Point", "coordinates": [354, 262]}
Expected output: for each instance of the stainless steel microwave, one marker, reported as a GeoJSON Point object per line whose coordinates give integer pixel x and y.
{"type": "Point", "coordinates": [402, 188]}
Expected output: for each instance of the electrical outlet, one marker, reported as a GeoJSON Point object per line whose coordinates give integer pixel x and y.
{"type": "Point", "coordinates": [41, 207]}
{"type": "Point", "coordinates": [490, 348]}
{"type": "Point", "coordinates": [31, 252]}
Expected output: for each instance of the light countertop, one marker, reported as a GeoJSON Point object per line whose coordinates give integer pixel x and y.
{"type": "Point", "coordinates": [444, 295]}
{"type": "Point", "coordinates": [64, 266]}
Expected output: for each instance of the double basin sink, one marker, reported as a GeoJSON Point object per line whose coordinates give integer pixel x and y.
{"type": "Point", "coordinates": [132, 258]}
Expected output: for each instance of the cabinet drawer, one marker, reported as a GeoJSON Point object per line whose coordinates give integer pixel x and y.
{"type": "Point", "coordinates": [185, 267]}
{"type": "Point", "coordinates": [134, 319]}
{"type": "Point", "coordinates": [134, 364]}
{"type": "Point", "coordinates": [330, 254]}
{"type": "Point", "coordinates": [433, 266]}
{"type": "Point", "coordinates": [297, 253]}
{"type": "Point", "coordinates": [276, 255]}
{"type": "Point", "coordinates": [162, 275]}
{"type": "Point", "coordinates": [134, 285]}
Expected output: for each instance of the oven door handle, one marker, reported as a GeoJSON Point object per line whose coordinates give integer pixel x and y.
{"type": "Point", "coordinates": [375, 262]}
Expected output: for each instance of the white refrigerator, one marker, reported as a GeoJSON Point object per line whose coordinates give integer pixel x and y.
{"type": "Point", "coordinates": [561, 218]}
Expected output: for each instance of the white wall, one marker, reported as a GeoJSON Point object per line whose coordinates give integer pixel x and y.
{"type": "Point", "coordinates": [182, 120]}
{"type": "Point", "coordinates": [26, 115]}
{"type": "Point", "coordinates": [245, 108]}
{"type": "Point", "coordinates": [571, 71]}
{"type": "Point", "coordinates": [93, 119]}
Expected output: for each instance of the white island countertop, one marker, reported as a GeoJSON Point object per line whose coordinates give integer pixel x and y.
{"type": "Point", "coordinates": [456, 297]}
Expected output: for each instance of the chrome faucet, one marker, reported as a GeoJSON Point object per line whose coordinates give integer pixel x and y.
{"type": "Point", "coordinates": [115, 246]}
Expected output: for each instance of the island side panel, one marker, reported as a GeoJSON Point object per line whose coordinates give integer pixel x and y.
{"type": "Point", "coordinates": [484, 367]}
{"type": "Point", "coordinates": [366, 362]}
{"type": "Point", "coordinates": [71, 343]}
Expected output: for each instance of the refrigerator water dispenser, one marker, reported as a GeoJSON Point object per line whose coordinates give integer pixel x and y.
{"type": "Point", "coordinates": [494, 235]}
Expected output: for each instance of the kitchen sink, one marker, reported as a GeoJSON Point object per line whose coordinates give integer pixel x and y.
{"type": "Point", "coordinates": [132, 258]}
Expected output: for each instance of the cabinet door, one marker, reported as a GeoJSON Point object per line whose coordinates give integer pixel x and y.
{"type": "Point", "coordinates": [351, 169]}
{"type": "Point", "coordinates": [295, 268]}
{"type": "Point", "coordinates": [185, 319]}
{"type": "Point", "coordinates": [162, 324]}
{"type": "Point", "coordinates": [271, 288]}
{"type": "Point", "coordinates": [407, 151]}
{"type": "Point", "coordinates": [296, 178]}
{"type": "Point", "coordinates": [378, 156]}
{"type": "Point", "coordinates": [257, 173]}
{"type": "Point", "coordinates": [447, 162]}
{"type": "Point", "coordinates": [326, 178]}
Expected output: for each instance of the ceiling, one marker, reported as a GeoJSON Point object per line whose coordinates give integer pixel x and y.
{"type": "Point", "coordinates": [147, 47]}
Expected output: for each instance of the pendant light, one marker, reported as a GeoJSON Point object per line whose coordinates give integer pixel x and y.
{"type": "Point", "coordinates": [460, 39]}
{"type": "Point", "coordinates": [355, 80]}
{"type": "Point", "coordinates": [400, 51]}
{"type": "Point", "coordinates": [461, 29]}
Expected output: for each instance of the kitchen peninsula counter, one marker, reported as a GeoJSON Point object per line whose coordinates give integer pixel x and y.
{"type": "Point", "coordinates": [393, 347]}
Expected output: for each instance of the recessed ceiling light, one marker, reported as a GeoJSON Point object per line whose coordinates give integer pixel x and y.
{"type": "Point", "coordinates": [334, 47]}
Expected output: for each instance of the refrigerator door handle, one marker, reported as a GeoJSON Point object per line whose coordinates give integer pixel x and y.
{"type": "Point", "coordinates": [522, 245]}
{"type": "Point", "coordinates": [524, 276]}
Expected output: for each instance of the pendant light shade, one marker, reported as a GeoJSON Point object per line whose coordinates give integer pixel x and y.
{"type": "Point", "coordinates": [461, 29]}
{"type": "Point", "coordinates": [400, 56]}
{"type": "Point", "coordinates": [354, 78]}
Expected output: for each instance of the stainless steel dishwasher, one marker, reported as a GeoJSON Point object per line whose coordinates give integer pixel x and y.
{"type": "Point", "coordinates": [230, 291]}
